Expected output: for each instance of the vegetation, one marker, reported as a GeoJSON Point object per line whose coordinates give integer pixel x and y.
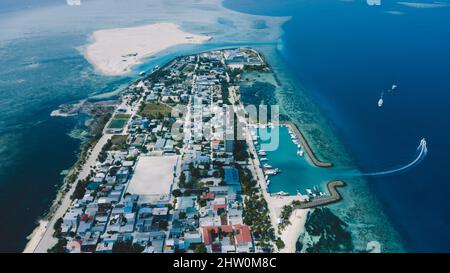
{"type": "Point", "coordinates": [279, 243]}
{"type": "Point", "coordinates": [122, 116]}
{"type": "Point", "coordinates": [256, 215]}
{"type": "Point", "coordinates": [119, 142]}
{"type": "Point", "coordinates": [155, 110]}
{"type": "Point", "coordinates": [103, 153]}
{"type": "Point", "coordinates": [248, 184]}
{"type": "Point", "coordinates": [240, 150]}
{"type": "Point", "coordinates": [285, 215]}
{"type": "Point", "coordinates": [80, 189]}
{"type": "Point", "coordinates": [60, 246]}
{"type": "Point", "coordinates": [127, 247]}
{"type": "Point", "coordinates": [200, 248]}
{"type": "Point", "coordinates": [176, 192]}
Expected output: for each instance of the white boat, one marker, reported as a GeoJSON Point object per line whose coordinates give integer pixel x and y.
{"type": "Point", "coordinates": [263, 159]}
{"type": "Point", "coordinates": [300, 152]}
{"type": "Point", "coordinates": [267, 166]}
{"type": "Point", "coordinates": [262, 153]}
{"type": "Point", "coordinates": [268, 182]}
{"type": "Point", "coordinates": [271, 171]}
{"type": "Point", "coordinates": [394, 86]}
{"type": "Point", "coordinates": [282, 193]}
{"type": "Point", "coordinates": [380, 101]}
{"type": "Point", "coordinates": [309, 191]}
{"type": "Point", "coordinates": [141, 73]}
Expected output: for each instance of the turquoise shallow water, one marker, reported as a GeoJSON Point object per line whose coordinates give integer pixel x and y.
{"type": "Point", "coordinates": [360, 208]}
{"type": "Point", "coordinates": [297, 172]}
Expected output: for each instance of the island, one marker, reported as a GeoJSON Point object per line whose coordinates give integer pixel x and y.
{"type": "Point", "coordinates": [163, 174]}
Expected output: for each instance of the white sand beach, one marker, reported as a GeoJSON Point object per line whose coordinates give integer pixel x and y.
{"type": "Point", "coordinates": [292, 232]}
{"type": "Point", "coordinates": [115, 51]}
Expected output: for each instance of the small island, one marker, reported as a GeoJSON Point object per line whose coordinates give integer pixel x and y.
{"type": "Point", "coordinates": [163, 176]}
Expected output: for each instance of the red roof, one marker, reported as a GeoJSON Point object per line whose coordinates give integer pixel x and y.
{"type": "Point", "coordinates": [87, 218]}
{"type": "Point", "coordinates": [215, 142]}
{"type": "Point", "coordinates": [227, 228]}
{"type": "Point", "coordinates": [208, 196]}
{"type": "Point", "coordinates": [243, 234]}
{"type": "Point", "coordinates": [220, 206]}
{"type": "Point", "coordinates": [207, 238]}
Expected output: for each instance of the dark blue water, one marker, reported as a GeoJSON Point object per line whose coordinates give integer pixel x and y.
{"type": "Point", "coordinates": [344, 54]}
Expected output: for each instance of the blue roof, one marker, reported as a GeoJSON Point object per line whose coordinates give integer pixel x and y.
{"type": "Point", "coordinates": [231, 176]}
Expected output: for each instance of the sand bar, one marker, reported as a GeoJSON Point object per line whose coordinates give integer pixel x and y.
{"type": "Point", "coordinates": [115, 51]}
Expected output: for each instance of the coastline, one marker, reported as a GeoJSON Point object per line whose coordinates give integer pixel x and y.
{"type": "Point", "coordinates": [41, 238]}
{"type": "Point", "coordinates": [291, 233]}
{"type": "Point", "coordinates": [361, 209]}
{"type": "Point", "coordinates": [114, 52]}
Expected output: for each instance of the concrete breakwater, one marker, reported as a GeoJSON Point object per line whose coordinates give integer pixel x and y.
{"type": "Point", "coordinates": [334, 196]}
{"type": "Point", "coordinates": [306, 146]}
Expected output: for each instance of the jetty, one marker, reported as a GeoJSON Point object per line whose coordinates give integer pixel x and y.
{"type": "Point", "coordinates": [334, 196]}
{"type": "Point", "coordinates": [306, 146]}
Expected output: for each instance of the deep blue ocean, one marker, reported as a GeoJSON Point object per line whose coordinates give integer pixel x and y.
{"type": "Point", "coordinates": [344, 54]}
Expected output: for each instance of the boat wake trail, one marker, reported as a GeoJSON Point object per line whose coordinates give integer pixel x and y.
{"type": "Point", "coordinates": [421, 154]}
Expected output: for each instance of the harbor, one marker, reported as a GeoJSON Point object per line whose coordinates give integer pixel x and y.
{"type": "Point", "coordinates": [292, 168]}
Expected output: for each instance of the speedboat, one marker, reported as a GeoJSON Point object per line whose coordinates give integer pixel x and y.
{"type": "Point", "coordinates": [380, 102]}
{"type": "Point", "coordinates": [262, 153]}
{"type": "Point", "coordinates": [263, 159]}
{"type": "Point", "coordinates": [394, 86]}
{"type": "Point", "coordinates": [282, 193]}
{"type": "Point", "coordinates": [300, 152]}
{"type": "Point", "coordinates": [309, 191]}
{"type": "Point", "coordinates": [267, 166]}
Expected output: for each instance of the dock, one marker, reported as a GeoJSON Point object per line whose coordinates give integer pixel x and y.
{"type": "Point", "coordinates": [334, 196]}
{"type": "Point", "coordinates": [306, 146]}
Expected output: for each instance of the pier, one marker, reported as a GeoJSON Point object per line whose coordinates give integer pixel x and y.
{"type": "Point", "coordinates": [334, 196]}
{"type": "Point", "coordinates": [306, 146]}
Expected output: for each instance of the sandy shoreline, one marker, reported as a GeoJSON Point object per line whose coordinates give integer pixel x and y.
{"type": "Point", "coordinates": [292, 232]}
{"type": "Point", "coordinates": [115, 51]}
{"type": "Point", "coordinates": [41, 239]}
